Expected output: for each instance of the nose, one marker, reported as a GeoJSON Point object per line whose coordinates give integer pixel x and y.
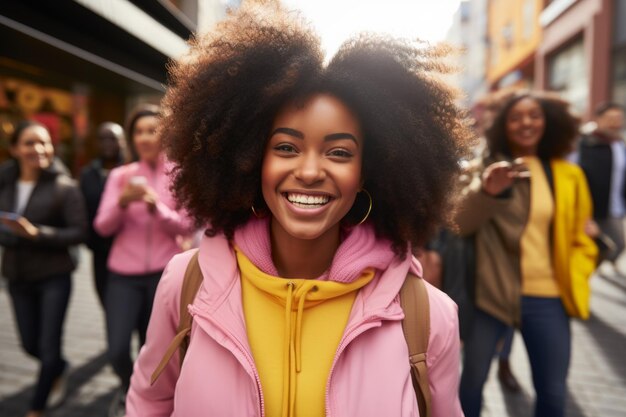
{"type": "Point", "coordinates": [40, 148]}
{"type": "Point", "coordinates": [527, 120]}
{"type": "Point", "coordinates": [310, 169]}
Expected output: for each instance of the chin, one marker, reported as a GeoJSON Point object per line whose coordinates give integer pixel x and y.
{"type": "Point", "coordinates": [305, 231]}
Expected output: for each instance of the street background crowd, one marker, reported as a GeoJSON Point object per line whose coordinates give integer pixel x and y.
{"type": "Point", "coordinates": [75, 310]}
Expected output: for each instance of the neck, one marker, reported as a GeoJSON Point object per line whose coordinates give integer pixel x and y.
{"type": "Point", "coordinates": [152, 163]}
{"type": "Point", "coordinates": [28, 175]}
{"type": "Point", "coordinates": [110, 163]}
{"type": "Point", "coordinates": [519, 153]}
{"type": "Point", "coordinates": [608, 135]}
{"type": "Point", "coordinates": [302, 258]}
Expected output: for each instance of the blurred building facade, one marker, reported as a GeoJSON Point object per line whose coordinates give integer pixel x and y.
{"type": "Point", "coordinates": [73, 64]}
{"type": "Point", "coordinates": [574, 47]}
{"type": "Point", "coordinates": [469, 33]}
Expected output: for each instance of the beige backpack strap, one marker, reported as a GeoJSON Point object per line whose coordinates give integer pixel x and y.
{"type": "Point", "coordinates": [416, 327]}
{"type": "Point", "coordinates": [191, 284]}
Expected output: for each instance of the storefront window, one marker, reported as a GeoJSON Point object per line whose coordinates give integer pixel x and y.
{"type": "Point", "coordinates": [567, 74]}
{"type": "Point", "coordinates": [21, 99]}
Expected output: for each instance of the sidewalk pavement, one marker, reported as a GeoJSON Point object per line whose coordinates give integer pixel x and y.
{"type": "Point", "coordinates": [91, 383]}
{"type": "Point", "coordinates": [597, 381]}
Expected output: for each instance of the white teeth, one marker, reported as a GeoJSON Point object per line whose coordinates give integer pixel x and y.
{"type": "Point", "coordinates": [307, 201]}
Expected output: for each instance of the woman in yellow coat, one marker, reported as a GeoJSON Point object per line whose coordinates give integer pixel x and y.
{"type": "Point", "coordinates": [528, 209]}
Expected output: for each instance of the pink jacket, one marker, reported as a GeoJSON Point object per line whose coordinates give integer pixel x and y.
{"type": "Point", "coordinates": [370, 375]}
{"type": "Point", "coordinates": [144, 242]}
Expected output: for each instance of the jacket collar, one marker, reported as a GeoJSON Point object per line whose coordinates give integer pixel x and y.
{"type": "Point", "coordinates": [220, 295]}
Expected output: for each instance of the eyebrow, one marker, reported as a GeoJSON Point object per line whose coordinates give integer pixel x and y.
{"type": "Point", "coordinates": [338, 136]}
{"type": "Point", "coordinates": [287, 131]}
{"type": "Point", "coordinates": [297, 134]}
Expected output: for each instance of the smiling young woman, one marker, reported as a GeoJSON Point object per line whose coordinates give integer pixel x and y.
{"type": "Point", "coordinates": [137, 210]}
{"type": "Point", "coordinates": [313, 181]}
{"type": "Point", "coordinates": [527, 208]}
{"type": "Point", "coordinates": [43, 215]}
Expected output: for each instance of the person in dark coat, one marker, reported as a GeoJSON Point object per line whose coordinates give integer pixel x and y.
{"type": "Point", "coordinates": [42, 214]}
{"type": "Point", "coordinates": [602, 156]}
{"type": "Point", "coordinates": [112, 153]}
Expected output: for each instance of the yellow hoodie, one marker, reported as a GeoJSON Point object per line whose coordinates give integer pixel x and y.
{"type": "Point", "coordinates": [294, 327]}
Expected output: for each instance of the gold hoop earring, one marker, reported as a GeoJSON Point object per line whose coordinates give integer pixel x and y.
{"type": "Point", "coordinates": [257, 215]}
{"type": "Point", "coordinates": [369, 209]}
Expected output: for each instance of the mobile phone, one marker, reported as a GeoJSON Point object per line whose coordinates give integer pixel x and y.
{"type": "Point", "coordinates": [9, 216]}
{"type": "Point", "coordinates": [138, 180]}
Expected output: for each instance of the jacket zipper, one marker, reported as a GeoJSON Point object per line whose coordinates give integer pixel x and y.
{"type": "Point", "coordinates": [241, 348]}
{"type": "Point", "coordinates": [350, 335]}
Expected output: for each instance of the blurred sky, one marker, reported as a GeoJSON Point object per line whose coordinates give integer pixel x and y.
{"type": "Point", "coordinates": [336, 20]}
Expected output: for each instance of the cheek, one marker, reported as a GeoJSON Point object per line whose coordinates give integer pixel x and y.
{"type": "Point", "coordinates": [541, 126]}
{"type": "Point", "coordinates": [269, 174]}
{"type": "Point", "coordinates": [350, 180]}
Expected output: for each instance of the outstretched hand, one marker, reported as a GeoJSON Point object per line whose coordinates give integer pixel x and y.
{"type": "Point", "coordinates": [500, 176]}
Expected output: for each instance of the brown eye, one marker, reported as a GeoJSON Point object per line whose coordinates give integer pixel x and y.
{"type": "Point", "coordinates": [341, 153]}
{"type": "Point", "coordinates": [285, 147]}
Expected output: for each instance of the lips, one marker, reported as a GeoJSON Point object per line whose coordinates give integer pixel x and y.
{"type": "Point", "coordinates": [307, 200]}
{"type": "Point", "coordinates": [528, 134]}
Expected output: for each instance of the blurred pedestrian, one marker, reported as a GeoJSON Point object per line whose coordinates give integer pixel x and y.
{"type": "Point", "coordinates": [528, 209]}
{"type": "Point", "coordinates": [42, 214]}
{"type": "Point", "coordinates": [602, 156]}
{"type": "Point", "coordinates": [111, 154]}
{"type": "Point", "coordinates": [138, 210]}
{"type": "Point", "coordinates": [313, 179]}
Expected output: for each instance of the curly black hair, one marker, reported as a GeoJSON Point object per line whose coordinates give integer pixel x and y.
{"type": "Point", "coordinates": [225, 93]}
{"type": "Point", "coordinates": [561, 125]}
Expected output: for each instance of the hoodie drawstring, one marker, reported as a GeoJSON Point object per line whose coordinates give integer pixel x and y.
{"type": "Point", "coordinates": [292, 348]}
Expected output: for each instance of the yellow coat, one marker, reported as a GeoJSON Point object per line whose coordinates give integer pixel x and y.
{"type": "Point", "coordinates": [574, 253]}
{"type": "Point", "coordinates": [498, 223]}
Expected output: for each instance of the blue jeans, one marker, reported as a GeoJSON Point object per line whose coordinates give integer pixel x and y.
{"type": "Point", "coordinates": [39, 308]}
{"type": "Point", "coordinates": [507, 344]}
{"type": "Point", "coordinates": [546, 333]}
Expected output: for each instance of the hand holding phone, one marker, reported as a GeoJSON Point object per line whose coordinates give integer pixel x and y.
{"type": "Point", "coordinates": [18, 225]}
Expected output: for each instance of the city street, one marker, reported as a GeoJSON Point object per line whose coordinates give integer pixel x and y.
{"type": "Point", "coordinates": [597, 383]}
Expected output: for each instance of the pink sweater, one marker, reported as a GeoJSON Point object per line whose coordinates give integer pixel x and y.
{"type": "Point", "coordinates": [144, 242]}
{"type": "Point", "coordinates": [370, 375]}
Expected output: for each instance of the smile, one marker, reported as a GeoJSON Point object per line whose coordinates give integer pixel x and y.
{"type": "Point", "coordinates": [307, 201]}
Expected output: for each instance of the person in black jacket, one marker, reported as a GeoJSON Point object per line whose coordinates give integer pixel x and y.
{"type": "Point", "coordinates": [602, 155]}
{"type": "Point", "coordinates": [113, 153]}
{"type": "Point", "coordinates": [41, 215]}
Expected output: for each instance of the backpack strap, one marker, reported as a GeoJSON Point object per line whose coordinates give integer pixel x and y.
{"type": "Point", "coordinates": [416, 328]}
{"type": "Point", "coordinates": [191, 284]}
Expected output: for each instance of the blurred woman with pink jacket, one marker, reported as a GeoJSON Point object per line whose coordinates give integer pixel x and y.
{"type": "Point", "coordinates": [139, 210]}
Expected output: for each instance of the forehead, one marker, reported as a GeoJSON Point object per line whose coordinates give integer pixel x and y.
{"type": "Point", "coordinates": [35, 133]}
{"type": "Point", "coordinates": [146, 121]}
{"type": "Point", "coordinates": [319, 112]}
{"type": "Point", "coordinates": [525, 104]}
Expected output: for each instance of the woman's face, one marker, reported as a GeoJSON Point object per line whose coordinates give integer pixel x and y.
{"type": "Point", "coordinates": [311, 170]}
{"type": "Point", "coordinates": [33, 150]}
{"type": "Point", "coordinates": [525, 124]}
{"type": "Point", "coordinates": [145, 139]}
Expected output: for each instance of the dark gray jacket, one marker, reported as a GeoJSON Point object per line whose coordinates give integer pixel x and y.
{"type": "Point", "coordinates": [56, 206]}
